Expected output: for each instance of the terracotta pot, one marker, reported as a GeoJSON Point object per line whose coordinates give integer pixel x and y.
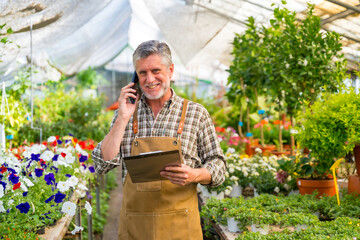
{"type": "Point", "coordinates": [276, 153]}
{"type": "Point", "coordinates": [357, 157]}
{"type": "Point", "coordinates": [307, 186]}
{"type": "Point", "coordinates": [354, 184]}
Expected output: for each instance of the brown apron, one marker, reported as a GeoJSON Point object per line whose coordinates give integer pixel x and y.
{"type": "Point", "coordinates": [159, 210]}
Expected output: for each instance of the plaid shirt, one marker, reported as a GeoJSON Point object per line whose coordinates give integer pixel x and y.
{"type": "Point", "coordinates": [199, 142]}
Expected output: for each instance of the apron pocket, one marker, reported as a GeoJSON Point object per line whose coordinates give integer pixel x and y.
{"type": "Point", "coordinates": [140, 226]}
{"type": "Point", "coordinates": [172, 225]}
{"type": "Point", "coordinates": [148, 186]}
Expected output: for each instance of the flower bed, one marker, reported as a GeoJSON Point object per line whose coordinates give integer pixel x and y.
{"type": "Point", "coordinates": [37, 182]}
{"type": "Point", "coordinates": [258, 171]}
{"type": "Point", "coordinates": [288, 213]}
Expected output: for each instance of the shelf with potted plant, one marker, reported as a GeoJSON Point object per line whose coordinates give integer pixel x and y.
{"type": "Point", "coordinates": [285, 212]}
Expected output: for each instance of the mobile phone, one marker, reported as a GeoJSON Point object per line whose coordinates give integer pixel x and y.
{"type": "Point", "coordinates": [135, 79]}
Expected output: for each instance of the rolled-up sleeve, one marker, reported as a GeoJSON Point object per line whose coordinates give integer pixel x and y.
{"type": "Point", "coordinates": [100, 165]}
{"type": "Point", "coordinates": [211, 153]}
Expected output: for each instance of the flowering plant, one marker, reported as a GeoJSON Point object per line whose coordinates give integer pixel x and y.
{"type": "Point", "coordinates": [229, 138]}
{"type": "Point", "coordinates": [37, 181]}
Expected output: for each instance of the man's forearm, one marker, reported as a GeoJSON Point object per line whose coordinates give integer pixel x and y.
{"type": "Point", "coordinates": [203, 176]}
{"type": "Point", "coordinates": [111, 144]}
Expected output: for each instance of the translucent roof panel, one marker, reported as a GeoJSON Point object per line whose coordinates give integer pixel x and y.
{"type": "Point", "coordinates": [72, 35]}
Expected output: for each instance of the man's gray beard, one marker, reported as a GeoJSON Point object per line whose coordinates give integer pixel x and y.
{"type": "Point", "coordinates": [160, 95]}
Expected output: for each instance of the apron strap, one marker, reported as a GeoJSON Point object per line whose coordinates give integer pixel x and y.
{"type": "Point", "coordinates": [135, 119]}
{"type": "Point", "coordinates": [181, 124]}
{"type": "Point", "coordinates": [182, 120]}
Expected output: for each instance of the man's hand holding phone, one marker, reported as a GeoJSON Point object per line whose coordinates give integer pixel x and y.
{"type": "Point", "coordinates": [127, 99]}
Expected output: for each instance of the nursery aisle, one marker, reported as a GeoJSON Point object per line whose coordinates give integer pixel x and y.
{"type": "Point", "coordinates": [112, 221]}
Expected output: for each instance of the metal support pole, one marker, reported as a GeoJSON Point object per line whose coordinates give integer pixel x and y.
{"type": "Point", "coordinates": [89, 216]}
{"type": "Point", "coordinates": [78, 220]}
{"type": "Point", "coordinates": [98, 200]}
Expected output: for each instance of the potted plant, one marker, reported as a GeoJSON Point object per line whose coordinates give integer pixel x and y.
{"type": "Point", "coordinates": [330, 129]}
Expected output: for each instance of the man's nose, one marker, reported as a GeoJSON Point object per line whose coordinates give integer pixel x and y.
{"type": "Point", "coordinates": [150, 77]}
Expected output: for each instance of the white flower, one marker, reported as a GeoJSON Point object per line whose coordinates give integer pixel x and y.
{"type": "Point", "coordinates": [230, 150]}
{"type": "Point", "coordinates": [1, 191]}
{"type": "Point", "coordinates": [305, 62]}
{"type": "Point", "coordinates": [231, 170]}
{"type": "Point", "coordinates": [28, 182]}
{"type": "Point", "coordinates": [255, 174]}
{"type": "Point", "coordinates": [287, 187]}
{"type": "Point", "coordinates": [277, 189]}
{"type": "Point", "coordinates": [23, 187]}
{"type": "Point", "coordinates": [10, 202]}
{"type": "Point", "coordinates": [80, 194]}
{"type": "Point", "coordinates": [227, 174]}
{"type": "Point", "coordinates": [234, 178]}
{"type": "Point", "coordinates": [78, 148]}
{"type": "Point", "coordinates": [69, 208]}
{"type": "Point", "coordinates": [72, 181]}
{"type": "Point", "coordinates": [2, 209]}
{"type": "Point", "coordinates": [258, 150]}
{"type": "Point", "coordinates": [82, 187]}
{"type": "Point", "coordinates": [227, 192]}
{"type": "Point", "coordinates": [287, 65]}
{"type": "Point", "coordinates": [69, 158]}
{"type": "Point", "coordinates": [294, 131]}
{"type": "Point", "coordinates": [63, 186]}
{"type": "Point", "coordinates": [77, 229]}
{"type": "Point", "coordinates": [88, 207]}
{"type": "Point", "coordinates": [246, 174]}
{"type": "Point", "coordinates": [47, 155]}
{"type": "Point", "coordinates": [51, 139]}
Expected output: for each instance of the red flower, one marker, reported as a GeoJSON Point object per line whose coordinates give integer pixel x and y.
{"type": "Point", "coordinates": [220, 129]}
{"type": "Point", "coordinates": [63, 154]}
{"type": "Point", "coordinates": [16, 186]}
{"type": "Point", "coordinates": [3, 169]}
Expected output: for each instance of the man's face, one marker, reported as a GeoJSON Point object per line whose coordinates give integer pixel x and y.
{"type": "Point", "coordinates": [154, 77]}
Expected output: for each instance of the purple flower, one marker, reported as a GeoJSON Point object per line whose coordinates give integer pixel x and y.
{"type": "Point", "coordinates": [59, 141]}
{"type": "Point", "coordinates": [67, 175]}
{"type": "Point", "coordinates": [11, 170]}
{"type": "Point", "coordinates": [83, 158]}
{"type": "Point", "coordinates": [88, 195]}
{"type": "Point", "coordinates": [13, 178]}
{"type": "Point", "coordinates": [54, 168]}
{"type": "Point", "coordinates": [3, 184]}
{"type": "Point", "coordinates": [1, 176]}
{"type": "Point", "coordinates": [49, 178]}
{"type": "Point", "coordinates": [49, 199]}
{"type": "Point", "coordinates": [91, 169]}
{"type": "Point", "coordinates": [39, 172]}
{"type": "Point", "coordinates": [71, 134]}
{"type": "Point", "coordinates": [55, 157]}
{"type": "Point", "coordinates": [59, 197]}
{"type": "Point", "coordinates": [25, 194]}
{"type": "Point", "coordinates": [35, 157]}
{"type": "Point", "coordinates": [23, 207]}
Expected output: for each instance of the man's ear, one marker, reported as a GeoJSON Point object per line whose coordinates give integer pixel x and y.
{"type": "Point", "coordinates": [171, 71]}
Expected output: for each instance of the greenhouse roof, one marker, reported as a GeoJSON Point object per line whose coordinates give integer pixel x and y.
{"type": "Point", "coordinates": [70, 35]}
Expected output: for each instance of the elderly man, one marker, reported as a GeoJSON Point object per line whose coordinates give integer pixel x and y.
{"type": "Point", "coordinates": [161, 121]}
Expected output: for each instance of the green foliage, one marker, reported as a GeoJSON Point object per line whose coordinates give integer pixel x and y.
{"type": "Point", "coordinates": [285, 211]}
{"type": "Point", "coordinates": [331, 128]}
{"type": "Point", "coordinates": [88, 79]}
{"type": "Point", "coordinates": [61, 112]}
{"type": "Point", "coordinates": [288, 62]}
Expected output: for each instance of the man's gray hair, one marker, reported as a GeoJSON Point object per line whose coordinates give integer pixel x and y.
{"type": "Point", "coordinates": [148, 48]}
